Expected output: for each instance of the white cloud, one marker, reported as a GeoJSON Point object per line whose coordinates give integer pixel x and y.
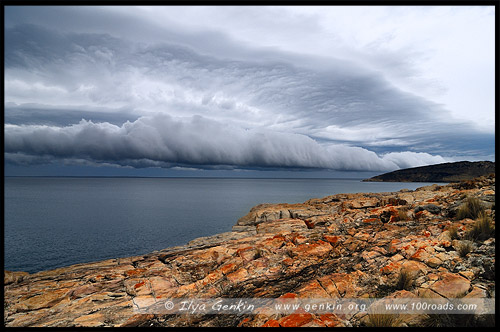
{"type": "Point", "coordinates": [408, 159]}
{"type": "Point", "coordinates": [162, 140]}
{"type": "Point", "coordinates": [442, 53]}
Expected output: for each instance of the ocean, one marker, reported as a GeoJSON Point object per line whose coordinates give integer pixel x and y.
{"type": "Point", "coordinates": [56, 222]}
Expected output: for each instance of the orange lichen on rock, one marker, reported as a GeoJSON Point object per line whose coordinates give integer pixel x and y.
{"type": "Point", "coordinates": [139, 284]}
{"type": "Point", "coordinates": [330, 320]}
{"type": "Point", "coordinates": [299, 318]}
{"type": "Point", "coordinates": [134, 272]}
{"type": "Point", "coordinates": [271, 323]}
{"type": "Point", "coordinates": [332, 239]}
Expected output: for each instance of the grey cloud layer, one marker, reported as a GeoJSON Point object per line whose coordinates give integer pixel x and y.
{"type": "Point", "coordinates": [262, 112]}
{"type": "Point", "coordinates": [161, 140]}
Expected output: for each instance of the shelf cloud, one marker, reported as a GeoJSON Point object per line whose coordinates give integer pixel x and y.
{"type": "Point", "coordinates": [101, 94]}
{"type": "Point", "coordinates": [161, 140]}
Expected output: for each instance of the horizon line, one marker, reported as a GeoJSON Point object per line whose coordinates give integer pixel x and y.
{"type": "Point", "coordinates": [174, 177]}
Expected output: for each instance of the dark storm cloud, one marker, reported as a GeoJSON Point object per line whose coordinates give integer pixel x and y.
{"type": "Point", "coordinates": [163, 141]}
{"type": "Point", "coordinates": [187, 102]}
{"type": "Point", "coordinates": [344, 97]}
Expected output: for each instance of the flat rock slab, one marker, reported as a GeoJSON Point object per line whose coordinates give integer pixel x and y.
{"type": "Point", "coordinates": [451, 286]}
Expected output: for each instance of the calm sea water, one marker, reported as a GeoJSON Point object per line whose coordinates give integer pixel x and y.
{"type": "Point", "coordinates": [55, 222]}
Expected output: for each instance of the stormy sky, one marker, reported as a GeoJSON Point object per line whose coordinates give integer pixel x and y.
{"type": "Point", "coordinates": [173, 91]}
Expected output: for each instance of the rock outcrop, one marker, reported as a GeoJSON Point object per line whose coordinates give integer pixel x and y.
{"type": "Point", "coordinates": [447, 172]}
{"type": "Point", "coordinates": [340, 246]}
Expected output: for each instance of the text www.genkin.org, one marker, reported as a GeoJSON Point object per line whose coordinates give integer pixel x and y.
{"type": "Point", "coordinates": [477, 306]}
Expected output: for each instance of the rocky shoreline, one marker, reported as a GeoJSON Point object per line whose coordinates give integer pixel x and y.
{"type": "Point", "coordinates": [339, 246]}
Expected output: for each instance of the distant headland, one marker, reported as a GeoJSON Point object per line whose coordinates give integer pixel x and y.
{"type": "Point", "coordinates": [447, 172]}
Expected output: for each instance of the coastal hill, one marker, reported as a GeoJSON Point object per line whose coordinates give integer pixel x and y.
{"type": "Point", "coordinates": [447, 172]}
{"type": "Point", "coordinates": [436, 242]}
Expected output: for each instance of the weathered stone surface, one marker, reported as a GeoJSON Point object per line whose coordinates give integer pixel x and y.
{"type": "Point", "coordinates": [238, 228]}
{"type": "Point", "coordinates": [137, 319]}
{"type": "Point", "coordinates": [222, 237]}
{"type": "Point", "coordinates": [451, 285]}
{"type": "Point", "coordinates": [290, 225]}
{"type": "Point", "coordinates": [44, 300]}
{"type": "Point", "coordinates": [432, 208]}
{"type": "Point", "coordinates": [263, 213]}
{"type": "Point", "coordinates": [339, 246]}
{"type": "Point", "coordinates": [359, 203]}
{"type": "Point", "coordinates": [13, 277]}
{"type": "Point", "coordinates": [92, 320]}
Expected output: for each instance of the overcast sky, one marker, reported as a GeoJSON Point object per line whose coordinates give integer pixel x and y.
{"type": "Point", "coordinates": [226, 90]}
